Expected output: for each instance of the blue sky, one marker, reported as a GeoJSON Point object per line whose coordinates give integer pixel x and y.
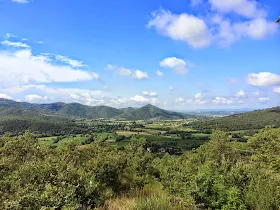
{"type": "Point", "coordinates": [180, 54]}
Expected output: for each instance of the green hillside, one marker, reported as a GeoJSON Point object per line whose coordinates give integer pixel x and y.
{"type": "Point", "coordinates": [12, 108]}
{"type": "Point", "coordinates": [251, 120]}
{"type": "Point", "coordinates": [150, 112]}
{"type": "Point", "coordinates": [76, 110]}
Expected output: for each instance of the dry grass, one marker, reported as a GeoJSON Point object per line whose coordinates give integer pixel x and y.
{"type": "Point", "coordinates": [151, 197]}
{"type": "Point", "coordinates": [129, 133]}
{"type": "Point", "coordinates": [110, 140]}
{"type": "Point", "coordinates": [119, 203]}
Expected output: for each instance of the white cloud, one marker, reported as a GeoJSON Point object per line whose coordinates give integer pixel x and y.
{"type": "Point", "coordinates": [137, 74]}
{"type": "Point", "coordinates": [40, 42]}
{"type": "Point", "coordinates": [215, 26]}
{"type": "Point", "coordinates": [256, 94]}
{"type": "Point", "coordinates": [140, 100]}
{"type": "Point", "coordinates": [277, 90]}
{"type": "Point", "coordinates": [198, 95]}
{"type": "Point", "coordinates": [178, 65]}
{"type": "Point", "coordinates": [183, 27]}
{"type": "Point", "coordinates": [151, 94]}
{"type": "Point", "coordinates": [228, 32]}
{"type": "Point", "coordinates": [197, 99]}
{"type": "Point", "coordinates": [241, 94]}
{"type": "Point", "coordinates": [227, 101]}
{"type": "Point", "coordinates": [263, 99]}
{"type": "Point", "coordinates": [245, 8]}
{"type": "Point", "coordinates": [5, 96]}
{"type": "Point", "coordinates": [25, 68]}
{"type": "Point", "coordinates": [159, 73]}
{"type": "Point", "coordinates": [10, 35]}
{"type": "Point", "coordinates": [14, 44]}
{"type": "Point", "coordinates": [71, 62]}
{"type": "Point", "coordinates": [263, 79]}
{"type": "Point", "coordinates": [21, 1]}
{"type": "Point", "coordinates": [75, 97]}
{"type": "Point", "coordinates": [222, 100]}
{"type": "Point", "coordinates": [180, 100]}
{"type": "Point", "coordinates": [35, 97]}
{"type": "Point", "coordinates": [140, 75]}
{"type": "Point", "coordinates": [255, 29]}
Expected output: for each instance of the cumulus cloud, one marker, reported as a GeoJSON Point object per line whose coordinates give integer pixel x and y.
{"type": "Point", "coordinates": [255, 29]}
{"type": "Point", "coordinates": [263, 99]}
{"type": "Point", "coordinates": [35, 98]}
{"type": "Point", "coordinates": [228, 32]}
{"type": "Point", "coordinates": [51, 91]}
{"type": "Point", "coordinates": [137, 74]}
{"type": "Point", "coordinates": [215, 27]}
{"type": "Point", "coordinates": [15, 44]}
{"type": "Point", "coordinates": [245, 8]}
{"type": "Point", "coordinates": [143, 100]}
{"type": "Point", "coordinates": [5, 96]}
{"type": "Point", "coordinates": [183, 27]}
{"type": "Point", "coordinates": [197, 99]}
{"type": "Point", "coordinates": [25, 68]}
{"type": "Point", "coordinates": [226, 101]}
{"type": "Point", "coordinates": [178, 65]}
{"type": "Point", "coordinates": [240, 94]}
{"type": "Point", "coordinates": [147, 93]}
{"type": "Point", "coordinates": [159, 73]}
{"type": "Point", "coordinates": [180, 100]}
{"type": "Point", "coordinates": [263, 79]}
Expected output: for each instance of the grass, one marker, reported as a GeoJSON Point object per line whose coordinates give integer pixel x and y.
{"type": "Point", "coordinates": [46, 142]}
{"type": "Point", "coordinates": [47, 138]}
{"type": "Point", "coordinates": [200, 135]}
{"type": "Point", "coordinates": [151, 197]}
{"type": "Point", "coordinates": [49, 141]}
{"type": "Point", "coordinates": [130, 133]}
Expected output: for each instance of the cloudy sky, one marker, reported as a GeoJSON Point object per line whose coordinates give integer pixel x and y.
{"type": "Point", "coordinates": [179, 54]}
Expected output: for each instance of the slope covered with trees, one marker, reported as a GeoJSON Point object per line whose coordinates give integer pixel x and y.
{"type": "Point", "coordinates": [150, 112]}
{"type": "Point", "coordinates": [221, 174]}
{"type": "Point", "coordinates": [76, 110]}
{"type": "Point", "coordinates": [246, 121]}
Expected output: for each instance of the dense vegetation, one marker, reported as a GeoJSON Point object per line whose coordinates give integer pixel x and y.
{"type": "Point", "coordinates": [221, 174]}
{"type": "Point", "coordinates": [150, 112]}
{"type": "Point", "coordinates": [245, 121]}
{"type": "Point", "coordinates": [76, 110]}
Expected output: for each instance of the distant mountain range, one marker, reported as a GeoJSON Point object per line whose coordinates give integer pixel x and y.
{"type": "Point", "coordinates": [76, 110]}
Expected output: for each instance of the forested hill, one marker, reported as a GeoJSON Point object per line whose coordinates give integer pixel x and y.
{"type": "Point", "coordinates": [153, 112]}
{"type": "Point", "coordinates": [250, 120]}
{"type": "Point", "coordinates": [76, 110]}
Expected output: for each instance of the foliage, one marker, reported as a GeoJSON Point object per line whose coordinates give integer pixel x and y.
{"type": "Point", "coordinates": [245, 121]}
{"type": "Point", "coordinates": [220, 174]}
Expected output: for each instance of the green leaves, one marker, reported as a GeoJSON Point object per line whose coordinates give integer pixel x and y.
{"type": "Point", "coordinates": [221, 174]}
